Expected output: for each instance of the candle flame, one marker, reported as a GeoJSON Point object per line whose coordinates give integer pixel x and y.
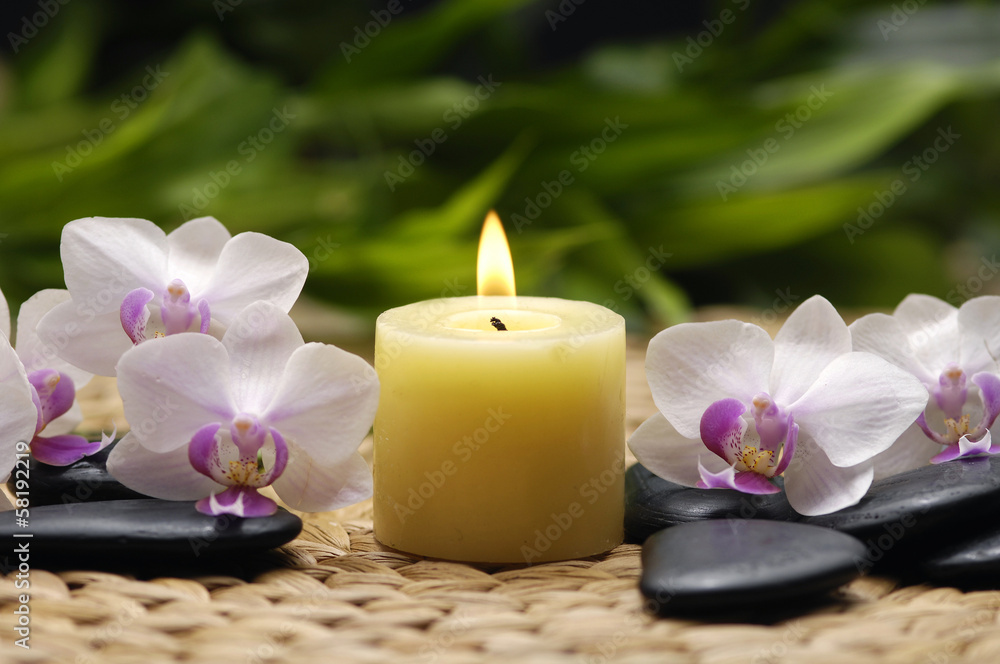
{"type": "Point", "coordinates": [495, 268]}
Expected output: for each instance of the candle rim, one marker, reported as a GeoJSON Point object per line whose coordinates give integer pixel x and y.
{"type": "Point", "coordinates": [577, 318]}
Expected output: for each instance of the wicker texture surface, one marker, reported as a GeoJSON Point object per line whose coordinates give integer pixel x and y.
{"type": "Point", "coordinates": [336, 595]}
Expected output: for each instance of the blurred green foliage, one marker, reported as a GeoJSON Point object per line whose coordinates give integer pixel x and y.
{"type": "Point", "coordinates": [822, 109]}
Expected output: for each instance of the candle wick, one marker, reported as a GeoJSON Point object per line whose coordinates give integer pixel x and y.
{"type": "Point", "coordinates": [498, 324]}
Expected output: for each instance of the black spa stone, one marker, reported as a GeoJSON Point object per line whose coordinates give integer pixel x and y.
{"type": "Point", "coordinates": [652, 504]}
{"type": "Point", "coordinates": [903, 517]}
{"type": "Point", "coordinates": [135, 528]}
{"type": "Point", "coordinates": [742, 564]}
{"type": "Point", "coordinates": [86, 480]}
{"type": "Point", "coordinates": [973, 562]}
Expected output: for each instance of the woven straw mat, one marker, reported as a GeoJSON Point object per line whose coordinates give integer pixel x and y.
{"type": "Point", "coordinates": [336, 595]}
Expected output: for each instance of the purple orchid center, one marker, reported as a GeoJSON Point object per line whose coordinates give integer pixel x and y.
{"type": "Point", "coordinates": [959, 417]}
{"type": "Point", "coordinates": [176, 312]}
{"type": "Point", "coordinates": [952, 391]}
{"type": "Point", "coordinates": [757, 442]}
{"type": "Point", "coordinates": [55, 393]}
{"type": "Point", "coordinates": [246, 457]}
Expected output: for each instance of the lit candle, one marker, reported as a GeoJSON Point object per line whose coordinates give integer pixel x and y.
{"type": "Point", "coordinates": [500, 429]}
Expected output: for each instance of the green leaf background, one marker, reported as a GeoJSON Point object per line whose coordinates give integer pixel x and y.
{"type": "Point", "coordinates": [321, 180]}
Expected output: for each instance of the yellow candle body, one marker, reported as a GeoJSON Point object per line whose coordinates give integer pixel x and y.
{"type": "Point", "coordinates": [500, 446]}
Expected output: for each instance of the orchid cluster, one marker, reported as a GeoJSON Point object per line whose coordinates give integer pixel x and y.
{"type": "Point", "coordinates": [825, 407]}
{"type": "Point", "coordinates": [225, 398]}
{"type": "Point", "coordinates": [223, 395]}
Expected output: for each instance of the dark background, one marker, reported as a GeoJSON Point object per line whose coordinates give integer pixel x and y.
{"type": "Point", "coordinates": [897, 78]}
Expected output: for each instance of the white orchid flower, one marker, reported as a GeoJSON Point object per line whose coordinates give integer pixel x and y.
{"type": "Point", "coordinates": [217, 420]}
{"type": "Point", "coordinates": [129, 281]}
{"type": "Point", "coordinates": [954, 353]}
{"type": "Point", "coordinates": [738, 409]}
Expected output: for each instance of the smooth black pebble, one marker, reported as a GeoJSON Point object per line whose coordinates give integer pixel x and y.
{"type": "Point", "coordinates": [653, 503]}
{"type": "Point", "coordinates": [905, 518]}
{"type": "Point", "coordinates": [968, 563]}
{"type": "Point", "coordinates": [124, 528]}
{"type": "Point", "coordinates": [724, 566]}
{"type": "Point", "coordinates": [86, 480]}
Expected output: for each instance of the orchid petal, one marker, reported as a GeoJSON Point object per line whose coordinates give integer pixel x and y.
{"type": "Point", "coordinates": [4, 316]}
{"type": "Point", "coordinates": [692, 365]}
{"type": "Point", "coordinates": [91, 342]}
{"type": "Point", "coordinates": [55, 391]}
{"type": "Point", "coordinates": [858, 407]}
{"type": "Point", "coordinates": [239, 501]}
{"type": "Point", "coordinates": [979, 321]}
{"type": "Point", "coordinates": [36, 354]}
{"type": "Point", "coordinates": [668, 454]}
{"type": "Point", "coordinates": [195, 247]}
{"type": "Point", "coordinates": [883, 335]}
{"type": "Point", "coordinates": [989, 390]}
{"type": "Point", "coordinates": [755, 483]}
{"type": "Point", "coordinates": [743, 481]}
{"type": "Point", "coordinates": [171, 387]}
{"type": "Point", "coordinates": [62, 450]}
{"type": "Point", "coordinates": [931, 434]}
{"type": "Point", "coordinates": [18, 413]}
{"type": "Point", "coordinates": [325, 402]}
{"type": "Point", "coordinates": [66, 422]}
{"type": "Point", "coordinates": [312, 487]}
{"type": "Point", "coordinates": [950, 453]}
{"type": "Point", "coordinates": [815, 486]}
{"type": "Point", "coordinates": [254, 267]}
{"type": "Point", "coordinates": [281, 457]}
{"type": "Point", "coordinates": [112, 256]}
{"type": "Point", "coordinates": [788, 450]}
{"type": "Point", "coordinates": [812, 337]}
{"type": "Point", "coordinates": [134, 313]}
{"type": "Point", "coordinates": [260, 341]}
{"type": "Point", "coordinates": [967, 448]}
{"type": "Point", "coordinates": [167, 475]}
{"type": "Point", "coordinates": [40, 420]}
{"type": "Point", "coordinates": [203, 452]}
{"type": "Point", "coordinates": [724, 479]}
{"type": "Point", "coordinates": [722, 428]}
{"type": "Point", "coordinates": [913, 449]}
{"type": "Point", "coordinates": [931, 326]}
{"type": "Point", "coordinates": [205, 316]}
